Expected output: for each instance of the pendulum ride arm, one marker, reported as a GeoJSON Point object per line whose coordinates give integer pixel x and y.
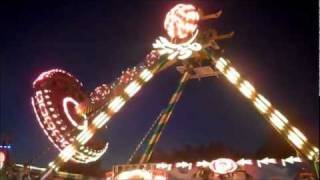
{"type": "Point", "coordinates": [103, 116]}
{"type": "Point", "coordinates": [278, 121]}
{"type": "Point", "coordinates": [165, 116]}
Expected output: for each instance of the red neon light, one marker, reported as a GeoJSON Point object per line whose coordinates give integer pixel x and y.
{"type": "Point", "coordinates": [181, 21]}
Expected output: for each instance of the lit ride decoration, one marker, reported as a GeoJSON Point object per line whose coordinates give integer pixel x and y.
{"type": "Point", "coordinates": [57, 95]}
{"type": "Point", "coordinates": [181, 25]}
{"type": "Point", "coordinates": [183, 44]}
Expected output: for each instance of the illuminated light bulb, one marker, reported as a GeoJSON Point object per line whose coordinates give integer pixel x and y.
{"type": "Point", "coordinates": [84, 136]}
{"type": "Point", "coordinates": [164, 166]}
{"type": "Point", "coordinates": [294, 138]}
{"type": "Point", "coordinates": [65, 103]}
{"type": "Point", "coordinates": [277, 121]}
{"type": "Point", "coordinates": [146, 75]}
{"type": "Point", "coordinates": [67, 153]}
{"type": "Point", "coordinates": [315, 149]}
{"type": "Point", "coordinates": [312, 156]}
{"type": "Point", "coordinates": [101, 119]}
{"type": "Point", "coordinates": [264, 100]}
{"type": "Point", "coordinates": [132, 88]}
{"type": "Point", "coordinates": [232, 75]}
{"type": "Point", "coordinates": [97, 119]}
{"type": "Point", "coordinates": [221, 64]}
{"type": "Point", "coordinates": [116, 104]}
{"type": "Point", "coordinates": [52, 164]}
{"type": "Point", "coordinates": [281, 116]}
{"type": "Point", "coordinates": [260, 104]}
{"type": "Point", "coordinates": [184, 165]}
{"type": "Point", "coordinates": [299, 133]}
{"type": "Point", "coordinates": [247, 89]}
{"type": "Point", "coordinates": [311, 153]}
{"type": "Point", "coordinates": [202, 163]}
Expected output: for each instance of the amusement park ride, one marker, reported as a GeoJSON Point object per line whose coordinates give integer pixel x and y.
{"type": "Point", "coordinates": [70, 118]}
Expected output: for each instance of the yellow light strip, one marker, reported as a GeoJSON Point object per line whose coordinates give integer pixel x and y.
{"type": "Point", "coordinates": [281, 116]}
{"type": "Point", "coordinates": [232, 75]}
{"type": "Point", "coordinates": [84, 136]}
{"type": "Point", "coordinates": [116, 104]}
{"type": "Point", "coordinates": [262, 104]}
{"type": "Point", "coordinates": [132, 88]}
{"type": "Point", "coordinates": [247, 89]}
{"type": "Point", "coordinates": [67, 153]}
{"type": "Point", "coordinates": [146, 75]}
{"type": "Point", "coordinates": [221, 64]}
{"type": "Point", "coordinates": [299, 133]}
{"type": "Point", "coordinates": [275, 120]}
{"type": "Point", "coordinates": [294, 138]}
{"type": "Point", "coordinates": [100, 120]}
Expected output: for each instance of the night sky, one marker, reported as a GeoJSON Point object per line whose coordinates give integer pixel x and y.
{"type": "Point", "coordinates": [275, 47]}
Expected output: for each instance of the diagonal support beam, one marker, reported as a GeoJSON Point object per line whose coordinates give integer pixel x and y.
{"type": "Point", "coordinates": [274, 117]}
{"type": "Point", "coordinates": [163, 121]}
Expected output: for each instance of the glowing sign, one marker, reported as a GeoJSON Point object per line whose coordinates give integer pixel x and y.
{"type": "Point", "coordinates": [243, 162]}
{"type": "Point", "coordinates": [266, 161]}
{"type": "Point", "coordinates": [290, 160]}
{"type": "Point", "coordinates": [223, 166]}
